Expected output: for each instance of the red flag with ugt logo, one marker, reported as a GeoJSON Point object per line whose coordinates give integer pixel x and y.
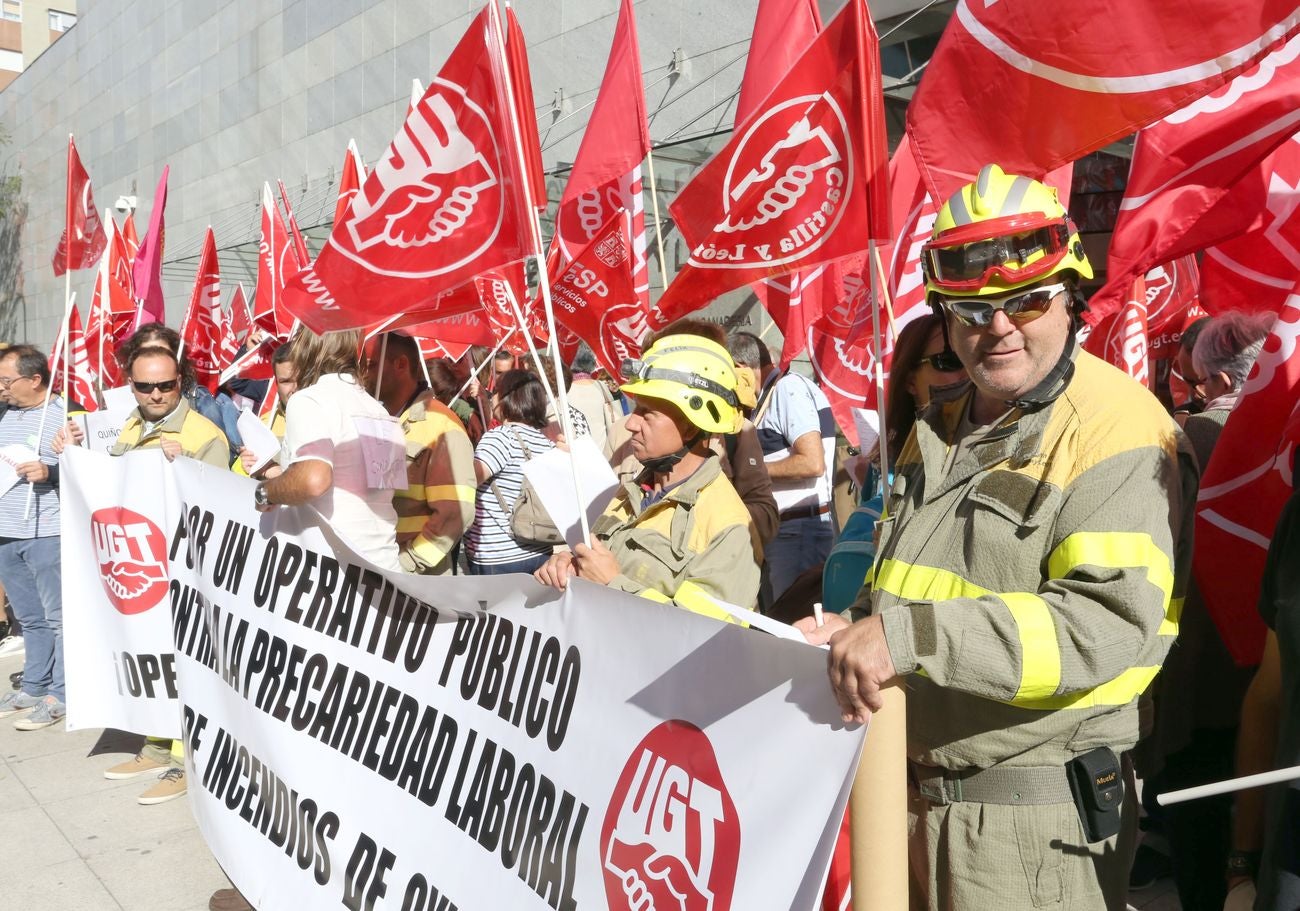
{"type": "Point", "coordinates": [1034, 85]}
{"type": "Point", "coordinates": [1121, 338]}
{"type": "Point", "coordinates": [595, 295]}
{"type": "Point", "coordinates": [112, 309]}
{"type": "Point", "coordinates": [1244, 487]}
{"type": "Point", "coordinates": [802, 182]}
{"type": "Point", "coordinates": [443, 204]}
{"type": "Point", "coordinates": [1190, 171]}
{"type": "Point", "coordinates": [205, 322]}
{"type": "Point", "coordinates": [83, 238]}
{"type": "Point", "coordinates": [606, 173]}
{"type": "Point", "coordinates": [81, 373]}
{"type": "Point", "coordinates": [354, 172]}
{"type": "Point", "coordinates": [277, 263]}
{"type": "Point", "coordinates": [237, 327]}
{"type": "Point", "coordinates": [1172, 303]}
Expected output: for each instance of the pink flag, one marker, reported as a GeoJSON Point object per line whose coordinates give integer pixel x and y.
{"type": "Point", "coordinates": [1245, 486]}
{"type": "Point", "coordinates": [83, 238]}
{"type": "Point", "coordinates": [204, 324]}
{"type": "Point", "coordinates": [606, 173]}
{"type": "Point", "coordinates": [147, 270]}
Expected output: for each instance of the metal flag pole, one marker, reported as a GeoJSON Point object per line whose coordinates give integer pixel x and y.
{"type": "Point", "coordinates": [535, 229]}
{"type": "Point", "coordinates": [654, 203]}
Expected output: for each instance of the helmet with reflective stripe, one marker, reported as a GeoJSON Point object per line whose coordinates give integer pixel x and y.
{"type": "Point", "coordinates": [693, 373]}
{"type": "Point", "coordinates": [998, 234]}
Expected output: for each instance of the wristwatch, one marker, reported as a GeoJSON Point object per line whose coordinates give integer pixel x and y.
{"type": "Point", "coordinates": [260, 497]}
{"type": "Point", "coordinates": [1244, 863]}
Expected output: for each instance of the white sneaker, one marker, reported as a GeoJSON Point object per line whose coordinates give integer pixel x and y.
{"type": "Point", "coordinates": [11, 645]}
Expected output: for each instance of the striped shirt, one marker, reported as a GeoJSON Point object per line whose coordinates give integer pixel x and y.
{"type": "Point", "coordinates": [18, 427]}
{"type": "Point", "coordinates": [489, 540]}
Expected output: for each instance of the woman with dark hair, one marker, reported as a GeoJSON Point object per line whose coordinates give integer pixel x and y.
{"type": "Point", "coordinates": [519, 403]}
{"type": "Point", "coordinates": [921, 362]}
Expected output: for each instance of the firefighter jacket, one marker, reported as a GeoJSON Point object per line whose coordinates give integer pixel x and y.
{"type": "Point", "coordinates": [438, 503]}
{"type": "Point", "coordinates": [199, 438]}
{"type": "Point", "coordinates": [1031, 592]}
{"type": "Point", "coordinates": [691, 547]}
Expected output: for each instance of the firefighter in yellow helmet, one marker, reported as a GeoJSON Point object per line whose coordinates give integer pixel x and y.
{"type": "Point", "coordinates": [678, 532]}
{"type": "Point", "coordinates": [1026, 585]}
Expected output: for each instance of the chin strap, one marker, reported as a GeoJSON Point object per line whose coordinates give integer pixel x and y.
{"type": "Point", "coordinates": [1054, 383]}
{"type": "Point", "coordinates": [665, 463]}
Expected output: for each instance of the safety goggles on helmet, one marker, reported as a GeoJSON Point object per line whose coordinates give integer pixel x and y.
{"type": "Point", "coordinates": [633, 370]}
{"type": "Point", "coordinates": [1014, 250]}
{"type": "Point", "coordinates": [1021, 307]}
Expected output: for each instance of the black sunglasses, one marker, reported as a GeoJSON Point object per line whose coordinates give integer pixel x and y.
{"type": "Point", "coordinates": [148, 388]}
{"type": "Point", "coordinates": [945, 361]}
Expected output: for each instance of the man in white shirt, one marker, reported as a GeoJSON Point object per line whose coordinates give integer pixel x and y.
{"type": "Point", "coordinates": [344, 454]}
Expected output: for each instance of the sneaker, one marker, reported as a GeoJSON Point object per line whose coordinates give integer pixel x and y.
{"type": "Point", "coordinates": [171, 784]}
{"type": "Point", "coordinates": [139, 765]}
{"type": "Point", "coordinates": [228, 900]}
{"type": "Point", "coordinates": [11, 645]}
{"type": "Point", "coordinates": [13, 703]}
{"type": "Point", "coordinates": [47, 712]}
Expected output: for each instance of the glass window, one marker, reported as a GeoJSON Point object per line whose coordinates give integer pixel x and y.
{"type": "Point", "coordinates": [61, 21]}
{"type": "Point", "coordinates": [11, 10]}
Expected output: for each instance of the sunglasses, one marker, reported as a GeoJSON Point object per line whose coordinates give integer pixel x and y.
{"type": "Point", "coordinates": [1021, 308]}
{"type": "Point", "coordinates": [944, 361]}
{"type": "Point", "coordinates": [148, 388]}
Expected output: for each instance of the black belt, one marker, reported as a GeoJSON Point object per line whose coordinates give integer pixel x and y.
{"type": "Point", "coordinates": [804, 512]}
{"type": "Point", "coordinates": [1000, 784]}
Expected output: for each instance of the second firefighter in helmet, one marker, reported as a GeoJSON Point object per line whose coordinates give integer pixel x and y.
{"type": "Point", "coordinates": [1005, 254]}
{"type": "Point", "coordinates": [677, 533]}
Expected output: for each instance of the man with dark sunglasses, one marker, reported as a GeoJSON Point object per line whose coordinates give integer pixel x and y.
{"type": "Point", "coordinates": [163, 419]}
{"type": "Point", "coordinates": [1029, 577]}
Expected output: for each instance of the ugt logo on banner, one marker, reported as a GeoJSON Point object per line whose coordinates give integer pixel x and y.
{"type": "Point", "coordinates": [132, 555]}
{"type": "Point", "coordinates": [671, 837]}
{"type": "Point", "coordinates": [440, 173]}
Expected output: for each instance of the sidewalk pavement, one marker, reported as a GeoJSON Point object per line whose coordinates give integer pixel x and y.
{"type": "Point", "coordinates": [75, 840]}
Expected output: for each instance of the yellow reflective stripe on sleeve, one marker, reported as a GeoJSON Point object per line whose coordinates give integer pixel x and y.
{"type": "Point", "coordinates": [913, 582]}
{"type": "Point", "coordinates": [695, 599]}
{"type": "Point", "coordinates": [406, 524]}
{"type": "Point", "coordinates": [1119, 550]}
{"type": "Point", "coordinates": [1040, 656]}
{"type": "Point", "coordinates": [1120, 691]}
{"type": "Point", "coordinates": [651, 594]}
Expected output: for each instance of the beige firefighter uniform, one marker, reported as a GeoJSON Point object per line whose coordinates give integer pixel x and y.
{"type": "Point", "coordinates": [691, 547]}
{"type": "Point", "coordinates": [1030, 586]}
{"type": "Point", "coordinates": [438, 503]}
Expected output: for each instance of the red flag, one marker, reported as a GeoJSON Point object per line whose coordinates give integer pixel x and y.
{"type": "Point", "coordinates": [1171, 304]}
{"type": "Point", "coordinates": [277, 263]}
{"type": "Point", "coordinates": [471, 328]}
{"type": "Point", "coordinates": [147, 269]}
{"type": "Point", "coordinates": [236, 329]}
{"type": "Point", "coordinates": [299, 245]}
{"type": "Point", "coordinates": [1189, 170]}
{"type": "Point", "coordinates": [204, 324]}
{"type": "Point", "coordinates": [1245, 486]}
{"type": "Point", "coordinates": [444, 204]}
{"type": "Point", "coordinates": [254, 364]}
{"type": "Point", "coordinates": [430, 349]}
{"type": "Point", "coordinates": [595, 296]}
{"type": "Point", "coordinates": [1256, 270]}
{"type": "Point", "coordinates": [111, 303]}
{"type": "Point", "coordinates": [521, 82]}
{"type": "Point", "coordinates": [269, 399]}
{"type": "Point", "coordinates": [1121, 338]}
{"type": "Point", "coordinates": [130, 238]}
{"type": "Point", "coordinates": [83, 238]}
{"type": "Point", "coordinates": [783, 29]}
{"type": "Point", "coordinates": [354, 172]}
{"type": "Point", "coordinates": [82, 374]}
{"type": "Point", "coordinates": [1060, 81]}
{"type": "Point", "coordinates": [802, 182]}
{"type": "Point", "coordinates": [606, 173]}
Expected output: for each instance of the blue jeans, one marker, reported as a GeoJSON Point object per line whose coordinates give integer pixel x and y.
{"type": "Point", "coordinates": [31, 572]}
{"type": "Point", "coordinates": [799, 545]}
{"type": "Point", "coordinates": [527, 565]}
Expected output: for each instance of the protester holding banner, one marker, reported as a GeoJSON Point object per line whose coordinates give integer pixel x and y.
{"type": "Point", "coordinates": [286, 384]}
{"type": "Point", "coordinates": [345, 454]}
{"type": "Point", "coordinates": [437, 505]}
{"type": "Point", "coordinates": [30, 563]}
{"type": "Point", "coordinates": [1027, 577]}
{"type": "Point", "coordinates": [679, 533]}
{"type": "Point", "coordinates": [797, 432]}
{"type": "Point", "coordinates": [163, 418]}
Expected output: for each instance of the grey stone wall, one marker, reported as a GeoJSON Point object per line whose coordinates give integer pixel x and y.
{"type": "Point", "coordinates": [232, 94]}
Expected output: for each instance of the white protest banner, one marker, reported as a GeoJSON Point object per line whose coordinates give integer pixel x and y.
{"type": "Point", "coordinates": [10, 458]}
{"type": "Point", "coordinates": [552, 477]}
{"type": "Point", "coordinates": [258, 438]}
{"type": "Point", "coordinates": [389, 741]}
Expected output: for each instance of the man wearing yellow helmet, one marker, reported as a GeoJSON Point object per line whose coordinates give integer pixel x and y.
{"type": "Point", "coordinates": [1029, 576]}
{"type": "Point", "coordinates": [678, 532]}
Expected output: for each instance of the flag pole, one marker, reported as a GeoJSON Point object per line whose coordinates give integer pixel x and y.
{"type": "Point", "coordinates": [528, 340]}
{"type": "Point", "coordinates": [535, 228]}
{"type": "Point", "coordinates": [379, 371]}
{"type": "Point", "coordinates": [654, 202]}
{"type": "Point", "coordinates": [479, 369]}
{"type": "Point", "coordinates": [59, 351]}
{"type": "Point", "coordinates": [885, 296]}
